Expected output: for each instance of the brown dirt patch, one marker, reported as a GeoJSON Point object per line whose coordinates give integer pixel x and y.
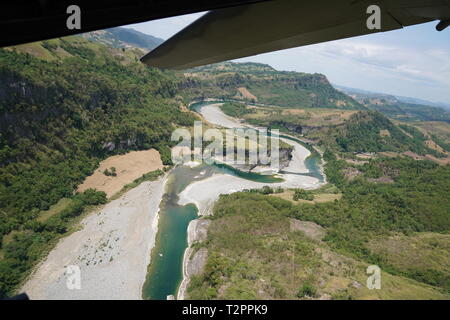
{"type": "Point", "coordinates": [432, 145]}
{"type": "Point", "coordinates": [318, 198]}
{"type": "Point", "coordinates": [413, 155]}
{"type": "Point", "coordinates": [247, 94]}
{"type": "Point", "coordinates": [351, 173]}
{"type": "Point", "coordinates": [129, 167]}
{"type": "Point", "coordinates": [383, 179]}
{"type": "Point", "coordinates": [389, 154]}
{"type": "Point", "coordinates": [441, 161]}
{"type": "Point", "coordinates": [327, 197]}
{"type": "Point", "coordinates": [357, 162]}
{"type": "Point", "coordinates": [385, 133]}
{"type": "Point", "coordinates": [310, 229]}
{"type": "Point", "coordinates": [294, 111]}
{"type": "Point", "coordinates": [365, 155]}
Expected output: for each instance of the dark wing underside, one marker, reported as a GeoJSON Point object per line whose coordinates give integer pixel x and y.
{"type": "Point", "coordinates": [263, 27]}
{"type": "Point", "coordinates": [32, 20]}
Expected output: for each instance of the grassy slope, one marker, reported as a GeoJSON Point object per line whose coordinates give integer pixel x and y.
{"type": "Point", "coordinates": [371, 132]}
{"type": "Point", "coordinates": [272, 87]}
{"type": "Point", "coordinates": [253, 254]}
{"type": "Point", "coordinates": [400, 225]}
{"type": "Point", "coordinates": [374, 223]}
{"type": "Point", "coordinates": [343, 131]}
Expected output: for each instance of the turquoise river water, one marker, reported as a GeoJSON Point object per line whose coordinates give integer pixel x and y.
{"type": "Point", "coordinates": [165, 272]}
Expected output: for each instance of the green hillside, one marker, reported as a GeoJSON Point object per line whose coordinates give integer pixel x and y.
{"type": "Point", "coordinates": [369, 131]}
{"type": "Point", "coordinates": [65, 105]}
{"type": "Point", "coordinates": [255, 253]}
{"type": "Point", "coordinates": [344, 131]}
{"type": "Point", "coordinates": [123, 38]}
{"type": "Point", "coordinates": [267, 85]}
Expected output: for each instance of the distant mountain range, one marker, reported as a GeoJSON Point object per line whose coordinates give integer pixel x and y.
{"type": "Point", "coordinates": [124, 38]}
{"type": "Point", "coordinates": [398, 107]}
{"type": "Point", "coordinates": [426, 102]}
{"type": "Point", "coordinates": [349, 90]}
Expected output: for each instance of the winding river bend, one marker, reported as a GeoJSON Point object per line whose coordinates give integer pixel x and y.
{"type": "Point", "coordinates": [191, 191]}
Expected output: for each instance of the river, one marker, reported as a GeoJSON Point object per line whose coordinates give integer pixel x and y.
{"type": "Point", "coordinates": [192, 190]}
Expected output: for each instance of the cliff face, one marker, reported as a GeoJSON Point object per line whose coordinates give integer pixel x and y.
{"type": "Point", "coordinates": [45, 95]}
{"type": "Point", "coordinates": [62, 113]}
{"type": "Point", "coordinates": [25, 105]}
{"type": "Point", "coordinates": [266, 85]}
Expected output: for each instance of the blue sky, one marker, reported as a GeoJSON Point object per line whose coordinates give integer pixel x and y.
{"type": "Point", "coordinates": [412, 62]}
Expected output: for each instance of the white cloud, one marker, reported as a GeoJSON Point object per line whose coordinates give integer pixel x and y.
{"type": "Point", "coordinates": [430, 66]}
{"type": "Point", "coordinates": [361, 63]}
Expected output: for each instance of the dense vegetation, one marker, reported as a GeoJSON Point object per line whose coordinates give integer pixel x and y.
{"type": "Point", "coordinates": [272, 87]}
{"type": "Point", "coordinates": [66, 104]}
{"type": "Point", "coordinates": [249, 238]}
{"type": "Point", "coordinates": [235, 109]}
{"type": "Point", "coordinates": [79, 112]}
{"type": "Point", "coordinates": [369, 131]}
{"type": "Point", "coordinates": [416, 201]}
{"type": "Point", "coordinates": [65, 107]}
{"type": "Point", "coordinates": [34, 238]}
{"type": "Point", "coordinates": [341, 131]}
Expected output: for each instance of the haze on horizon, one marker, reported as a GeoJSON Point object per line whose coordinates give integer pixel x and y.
{"type": "Point", "coordinates": [411, 62]}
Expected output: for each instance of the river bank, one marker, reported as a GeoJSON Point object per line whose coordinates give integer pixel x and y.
{"type": "Point", "coordinates": [205, 193]}
{"type": "Point", "coordinates": [193, 261]}
{"type": "Point", "coordinates": [112, 250]}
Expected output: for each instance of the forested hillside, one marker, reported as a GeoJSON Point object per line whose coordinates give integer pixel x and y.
{"type": "Point", "coordinates": [66, 104]}
{"type": "Point", "coordinates": [261, 83]}
{"type": "Point", "coordinates": [369, 131]}
{"type": "Point", "coordinates": [343, 131]}
{"type": "Point", "coordinates": [393, 214]}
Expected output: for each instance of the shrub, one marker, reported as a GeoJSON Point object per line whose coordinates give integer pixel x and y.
{"type": "Point", "coordinates": [307, 290]}
{"type": "Point", "coordinates": [303, 194]}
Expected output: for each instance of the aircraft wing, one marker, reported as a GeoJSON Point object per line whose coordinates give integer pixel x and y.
{"type": "Point", "coordinates": [251, 29]}
{"type": "Point", "coordinates": [24, 21]}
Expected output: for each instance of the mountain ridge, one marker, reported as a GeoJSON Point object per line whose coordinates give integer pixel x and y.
{"type": "Point", "coordinates": [398, 107]}
{"type": "Point", "coordinates": [120, 37]}
{"type": "Point", "coordinates": [255, 82]}
{"type": "Point", "coordinates": [399, 97]}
